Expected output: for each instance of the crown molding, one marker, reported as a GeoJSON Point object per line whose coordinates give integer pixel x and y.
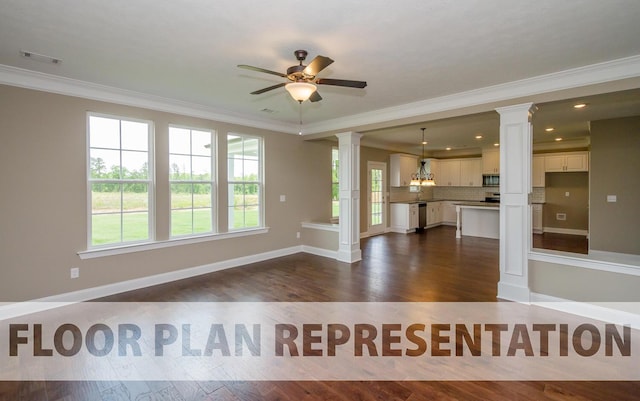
{"type": "Point", "coordinates": [609, 71]}
{"type": "Point", "coordinates": [28, 79]}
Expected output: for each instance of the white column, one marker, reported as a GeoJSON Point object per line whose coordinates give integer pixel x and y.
{"type": "Point", "coordinates": [515, 211]}
{"type": "Point", "coordinates": [349, 149]}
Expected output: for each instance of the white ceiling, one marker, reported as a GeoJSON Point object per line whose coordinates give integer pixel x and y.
{"type": "Point", "coordinates": [409, 51]}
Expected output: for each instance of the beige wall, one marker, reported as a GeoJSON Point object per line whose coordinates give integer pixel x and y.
{"type": "Point", "coordinates": [582, 284]}
{"type": "Point", "coordinates": [322, 239]}
{"type": "Point", "coordinates": [43, 199]}
{"type": "Point", "coordinates": [615, 168]}
{"type": "Point", "coordinates": [575, 206]}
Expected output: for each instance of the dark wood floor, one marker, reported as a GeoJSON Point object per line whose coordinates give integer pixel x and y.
{"type": "Point", "coordinates": [430, 266]}
{"type": "Point", "coordinates": [562, 242]}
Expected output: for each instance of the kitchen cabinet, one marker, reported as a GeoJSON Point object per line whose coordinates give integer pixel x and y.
{"type": "Point", "coordinates": [471, 172]}
{"type": "Point", "coordinates": [449, 216]}
{"type": "Point", "coordinates": [459, 172]}
{"type": "Point", "coordinates": [537, 173]}
{"type": "Point", "coordinates": [434, 213]}
{"type": "Point", "coordinates": [448, 173]}
{"type": "Point", "coordinates": [491, 161]}
{"type": "Point", "coordinates": [404, 217]}
{"type": "Point", "coordinates": [536, 217]}
{"type": "Point", "coordinates": [402, 166]}
{"type": "Point", "coordinates": [566, 162]}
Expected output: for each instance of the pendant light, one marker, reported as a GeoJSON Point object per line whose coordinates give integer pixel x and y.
{"type": "Point", "coordinates": [421, 177]}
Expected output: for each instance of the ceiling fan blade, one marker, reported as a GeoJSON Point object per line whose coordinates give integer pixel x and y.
{"type": "Point", "coordinates": [258, 69]}
{"type": "Point", "coordinates": [268, 89]}
{"type": "Point", "coordinates": [315, 97]}
{"type": "Point", "coordinates": [317, 64]}
{"type": "Point", "coordinates": [341, 82]}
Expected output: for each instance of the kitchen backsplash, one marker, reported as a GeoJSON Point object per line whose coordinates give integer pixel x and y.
{"type": "Point", "coordinates": [538, 195]}
{"type": "Point", "coordinates": [462, 193]}
{"type": "Point", "coordinates": [402, 194]}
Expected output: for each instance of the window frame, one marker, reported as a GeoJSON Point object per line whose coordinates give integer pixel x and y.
{"type": "Point", "coordinates": [259, 182]}
{"type": "Point", "coordinates": [336, 166]}
{"type": "Point", "coordinates": [213, 182]}
{"type": "Point", "coordinates": [150, 181]}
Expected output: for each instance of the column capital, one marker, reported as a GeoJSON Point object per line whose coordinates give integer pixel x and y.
{"type": "Point", "coordinates": [350, 134]}
{"type": "Point", "coordinates": [516, 109]}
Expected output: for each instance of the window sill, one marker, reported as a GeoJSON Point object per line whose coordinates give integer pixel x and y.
{"type": "Point", "coordinates": [120, 250]}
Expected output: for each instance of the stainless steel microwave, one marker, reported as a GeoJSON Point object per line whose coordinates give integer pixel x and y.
{"type": "Point", "coordinates": [490, 180]}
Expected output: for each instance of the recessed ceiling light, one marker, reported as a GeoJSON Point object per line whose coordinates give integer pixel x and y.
{"type": "Point", "coordinates": [478, 136]}
{"type": "Point", "coordinates": [447, 148]}
{"type": "Point", "coordinates": [550, 129]}
{"type": "Point", "coordinates": [580, 106]}
{"type": "Point", "coordinates": [424, 142]}
{"type": "Point", "coordinates": [558, 139]}
{"type": "Point", "coordinates": [496, 144]}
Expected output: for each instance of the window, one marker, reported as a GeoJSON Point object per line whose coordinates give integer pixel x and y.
{"type": "Point", "coordinates": [244, 164]}
{"type": "Point", "coordinates": [335, 185]}
{"type": "Point", "coordinates": [120, 183]}
{"type": "Point", "coordinates": [191, 180]}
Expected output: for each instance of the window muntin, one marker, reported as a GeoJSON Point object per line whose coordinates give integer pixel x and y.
{"type": "Point", "coordinates": [335, 184]}
{"type": "Point", "coordinates": [120, 180]}
{"type": "Point", "coordinates": [191, 179]}
{"type": "Point", "coordinates": [245, 181]}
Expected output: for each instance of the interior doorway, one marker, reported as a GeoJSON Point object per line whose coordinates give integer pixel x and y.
{"type": "Point", "coordinates": [376, 198]}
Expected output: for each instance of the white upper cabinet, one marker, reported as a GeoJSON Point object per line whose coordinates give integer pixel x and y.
{"type": "Point", "coordinates": [471, 172]}
{"type": "Point", "coordinates": [448, 173]}
{"type": "Point", "coordinates": [491, 161]}
{"type": "Point", "coordinates": [565, 162]}
{"type": "Point", "coordinates": [401, 168]}
{"type": "Point", "coordinates": [537, 173]}
{"type": "Point", "coordinates": [458, 172]}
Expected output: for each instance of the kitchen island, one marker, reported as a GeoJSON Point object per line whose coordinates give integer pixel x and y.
{"type": "Point", "coordinates": [478, 219]}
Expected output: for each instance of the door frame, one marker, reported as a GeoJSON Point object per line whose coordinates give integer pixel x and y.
{"type": "Point", "coordinates": [380, 228]}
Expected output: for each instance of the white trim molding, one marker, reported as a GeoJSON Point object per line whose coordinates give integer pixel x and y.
{"type": "Point", "coordinates": [593, 74]}
{"type": "Point", "coordinates": [147, 246]}
{"type": "Point", "coordinates": [327, 253]}
{"type": "Point", "coordinates": [614, 312]}
{"type": "Point", "coordinates": [28, 79]}
{"type": "Point", "coordinates": [608, 71]}
{"type": "Point", "coordinates": [594, 261]}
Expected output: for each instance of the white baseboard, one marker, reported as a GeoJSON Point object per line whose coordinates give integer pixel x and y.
{"type": "Point", "coordinates": [606, 311]}
{"type": "Point", "coordinates": [512, 292]}
{"type": "Point", "coordinates": [37, 305]}
{"type": "Point", "coordinates": [570, 231]}
{"type": "Point", "coordinates": [327, 253]}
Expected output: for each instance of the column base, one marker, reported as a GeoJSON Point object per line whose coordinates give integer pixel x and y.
{"type": "Point", "coordinates": [512, 292]}
{"type": "Point", "coordinates": [349, 256]}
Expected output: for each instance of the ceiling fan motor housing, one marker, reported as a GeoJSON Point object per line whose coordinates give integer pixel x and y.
{"type": "Point", "coordinates": [296, 73]}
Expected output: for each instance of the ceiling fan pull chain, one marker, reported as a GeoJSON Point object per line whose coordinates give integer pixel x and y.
{"type": "Point", "coordinates": [300, 115]}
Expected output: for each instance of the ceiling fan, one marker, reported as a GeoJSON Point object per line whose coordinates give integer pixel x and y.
{"type": "Point", "coordinates": [302, 85]}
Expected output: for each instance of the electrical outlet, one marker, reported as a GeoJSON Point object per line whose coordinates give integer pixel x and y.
{"type": "Point", "coordinates": [298, 234]}
{"type": "Point", "coordinates": [561, 216]}
{"type": "Point", "coordinates": [75, 272]}
{"type": "Point", "coordinates": [283, 198]}
{"type": "Point", "coordinates": [566, 194]}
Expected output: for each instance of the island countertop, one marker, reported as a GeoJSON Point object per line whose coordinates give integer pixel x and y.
{"type": "Point", "coordinates": [494, 205]}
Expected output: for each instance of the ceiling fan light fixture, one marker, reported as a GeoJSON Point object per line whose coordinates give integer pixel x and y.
{"type": "Point", "coordinates": [300, 91]}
